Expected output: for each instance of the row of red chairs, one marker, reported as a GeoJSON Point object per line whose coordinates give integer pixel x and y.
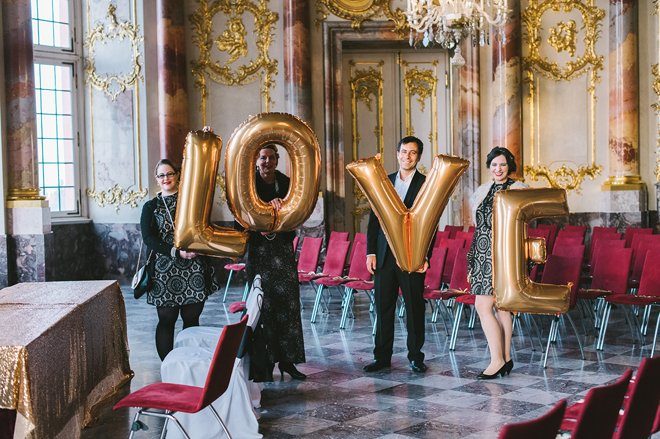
{"type": "Point", "coordinates": [627, 408]}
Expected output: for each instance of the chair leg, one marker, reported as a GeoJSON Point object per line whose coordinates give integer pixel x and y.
{"type": "Point", "coordinates": [645, 319]}
{"type": "Point", "coordinates": [168, 416]}
{"type": "Point", "coordinates": [373, 329]}
{"type": "Point", "coordinates": [317, 303]}
{"type": "Point", "coordinates": [603, 326]}
{"type": "Point", "coordinates": [224, 297]}
{"type": "Point", "coordinates": [454, 329]}
{"type": "Point", "coordinates": [402, 307]}
{"type": "Point", "coordinates": [222, 424]}
{"type": "Point", "coordinates": [438, 304]}
{"type": "Point", "coordinates": [246, 291]}
{"type": "Point", "coordinates": [570, 320]}
{"type": "Point", "coordinates": [553, 325]}
{"type": "Point", "coordinates": [473, 317]}
{"type": "Point", "coordinates": [348, 303]}
{"type": "Point", "coordinates": [135, 419]}
{"type": "Point", "coordinates": [629, 314]}
{"type": "Point", "coordinates": [163, 432]}
{"type": "Point", "coordinates": [655, 336]}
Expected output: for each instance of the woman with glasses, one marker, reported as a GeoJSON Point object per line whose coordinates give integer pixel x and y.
{"type": "Point", "coordinates": [182, 281]}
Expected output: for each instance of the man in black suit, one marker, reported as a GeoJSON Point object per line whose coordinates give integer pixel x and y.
{"type": "Point", "coordinates": [388, 277]}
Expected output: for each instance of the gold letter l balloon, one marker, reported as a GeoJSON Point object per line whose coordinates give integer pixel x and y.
{"type": "Point", "coordinates": [192, 230]}
{"type": "Point", "coordinates": [514, 290]}
{"type": "Point", "coordinates": [409, 232]}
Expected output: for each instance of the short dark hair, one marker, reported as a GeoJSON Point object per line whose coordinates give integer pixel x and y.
{"type": "Point", "coordinates": [166, 162]}
{"type": "Point", "coordinates": [498, 151]}
{"type": "Point", "coordinates": [272, 147]}
{"type": "Point", "coordinates": [411, 139]}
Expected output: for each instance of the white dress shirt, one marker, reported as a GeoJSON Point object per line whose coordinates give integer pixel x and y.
{"type": "Point", "coordinates": [402, 186]}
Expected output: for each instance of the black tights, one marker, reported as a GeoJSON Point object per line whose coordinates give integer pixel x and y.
{"type": "Point", "coordinates": [167, 316]}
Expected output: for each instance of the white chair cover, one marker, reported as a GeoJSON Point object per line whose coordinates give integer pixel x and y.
{"type": "Point", "coordinates": [188, 364]}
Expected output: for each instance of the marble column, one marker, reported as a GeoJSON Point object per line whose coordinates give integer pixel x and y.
{"type": "Point", "coordinates": [172, 91]}
{"type": "Point", "coordinates": [467, 131]}
{"type": "Point", "coordinates": [623, 97]}
{"type": "Point", "coordinates": [505, 88]}
{"type": "Point", "coordinates": [28, 215]}
{"type": "Point", "coordinates": [297, 61]}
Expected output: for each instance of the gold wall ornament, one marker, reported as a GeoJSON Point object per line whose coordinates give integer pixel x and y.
{"type": "Point", "coordinates": [232, 41]}
{"type": "Point", "coordinates": [366, 83]}
{"type": "Point", "coordinates": [117, 196]}
{"type": "Point", "coordinates": [113, 84]}
{"type": "Point", "coordinates": [588, 63]}
{"type": "Point", "coordinates": [422, 83]}
{"type": "Point", "coordinates": [655, 71]}
{"type": "Point", "coordinates": [359, 11]}
{"type": "Point", "coordinates": [563, 37]}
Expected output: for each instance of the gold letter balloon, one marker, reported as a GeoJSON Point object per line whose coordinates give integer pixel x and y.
{"type": "Point", "coordinates": [514, 290]}
{"type": "Point", "coordinates": [408, 231]}
{"type": "Point", "coordinates": [240, 172]}
{"type": "Point", "coordinates": [192, 230]}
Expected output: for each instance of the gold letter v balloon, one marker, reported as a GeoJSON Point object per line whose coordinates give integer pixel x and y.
{"type": "Point", "coordinates": [408, 231]}
{"type": "Point", "coordinates": [514, 290]}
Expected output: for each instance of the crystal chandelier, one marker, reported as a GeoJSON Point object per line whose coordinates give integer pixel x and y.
{"type": "Point", "coordinates": [447, 22]}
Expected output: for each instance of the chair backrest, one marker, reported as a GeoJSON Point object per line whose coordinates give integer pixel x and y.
{"type": "Point", "coordinates": [471, 229]}
{"type": "Point", "coordinates": [222, 363]}
{"type": "Point", "coordinates": [600, 411]}
{"type": "Point", "coordinates": [602, 248]}
{"type": "Point", "coordinates": [467, 236]}
{"type": "Point", "coordinates": [337, 236]}
{"type": "Point", "coordinates": [610, 236]}
{"type": "Point", "coordinates": [611, 273]}
{"type": "Point", "coordinates": [649, 283]}
{"type": "Point", "coordinates": [295, 244]}
{"type": "Point", "coordinates": [459, 271]}
{"type": "Point", "coordinates": [453, 245]}
{"type": "Point", "coordinates": [358, 267]}
{"type": "Point", "coordinates": [570, 251]}
{"type": "Point", "coordinates": [642, 402]}
{"type": "Point", "coordinates": [598, 230]}
{"type": "Point", "coordinates": [567, 241]}
{"type": "Point", "coordinates": [640, 238]}
{"type": "Point", "coordinates": [453, 230]}
{"type": "Point", "coordinates": [560, 270]}
{"type": "Point", "coordinates": [359, 237]}
{"type": "Point", "coordinates": [575, 229]}
{"type": "Point", "coordinates": [632, 231]}
{"type": "Point", "coordinates": [545, 427]}
{"type": "Point", "coordinates": [436, 265]}
{"type": "Point", "coordinates": [440, 237]}
{"type": "Point", "coordinates": [335, 258]}
{"type": "Point", "coordinates": [569, 234]}
{"type": "Point", "coordinates": [309, 254]}
{"type": "Point", "coordinates": [639, 252]}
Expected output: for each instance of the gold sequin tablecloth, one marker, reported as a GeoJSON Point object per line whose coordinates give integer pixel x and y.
{"type": "Point", "coordinates": [63, 351]}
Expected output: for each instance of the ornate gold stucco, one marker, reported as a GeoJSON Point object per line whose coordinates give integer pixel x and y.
{"type": "Point", "coordinates": [359, 11]}
{"type": "Point", "coordinates": [562, 37]}
{"type": "Point", "coordinates": [113, 84]}
{"type": "Point", "coordinates": [233, 42]}
{"type": "Point", "coordinates": [422, 83]}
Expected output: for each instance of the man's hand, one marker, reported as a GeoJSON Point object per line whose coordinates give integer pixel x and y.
{"type": "Point", "coordinates": [371, 263]}
{"type": "Point", "coordinates": [424, 267]}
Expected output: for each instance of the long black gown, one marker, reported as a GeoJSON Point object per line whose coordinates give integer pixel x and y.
{"type": "Point", "coordinates": [274, 260]}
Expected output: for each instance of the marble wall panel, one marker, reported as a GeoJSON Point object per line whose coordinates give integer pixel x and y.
{"type": "Point", "coordinates": [75, 254]}
{"type": "Point", "coordinates": [28, 256]}
{"type": "Point", "coordinates": [4, 268]}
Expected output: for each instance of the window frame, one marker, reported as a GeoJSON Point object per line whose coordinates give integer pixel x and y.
{"type": "Point", "coordinates": [71, 57]}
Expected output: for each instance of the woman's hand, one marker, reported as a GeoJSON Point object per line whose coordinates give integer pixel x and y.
{"type": "Point", "coordinates": [276, 203]}
{"type": "Point", "coordinates": [187, 255]}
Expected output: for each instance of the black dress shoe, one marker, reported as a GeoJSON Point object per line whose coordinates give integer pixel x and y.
{"type": "Point", "coordinates": [376, 366]}
{"type": "Point", "coordinates": [501, 372]}
{"type": "Point", "coordinates": [291, 370]}
{"type": "Point", "coordinates": [418, 366]}
{"type": "Point", "coordinates": [509, 366]}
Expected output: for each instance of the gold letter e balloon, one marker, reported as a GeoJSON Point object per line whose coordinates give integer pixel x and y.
{"type": "Point", "coordinates": [408, 231]}
{"type": "Point", "coordinates": [514, 290]}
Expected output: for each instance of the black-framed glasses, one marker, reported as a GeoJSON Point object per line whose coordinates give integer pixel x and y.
{"type": "Point", "coordinates": [168, 175]}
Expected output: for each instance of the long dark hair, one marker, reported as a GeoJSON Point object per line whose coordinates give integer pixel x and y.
{"type": "Point", "coordinates": [166, 162]}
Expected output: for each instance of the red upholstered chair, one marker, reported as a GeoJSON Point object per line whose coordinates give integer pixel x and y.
{"type": "Point", "coordinates": [330, 276]}
{"type": "Point", "coordinates": [639, 256]}
{"type": "Point", "coordinates": [453, 230]}
{"type": "Point", "coordinates": [309, 256]}
{"type": "Point", "coordinates": [561, 270]}
{"type": "Point", "coordinates": [453, 245]}
{"type": "Point", "coordinates": [545, 427]}
{"type": "Point", "coordinates": [554, 229]}
{"type": "Point", "coordinates": [640, 404]}
{"type": "Point", "coordinates": [467, 236]}
{"type": "Point", "coordinates": [570, 251]}
{"type": "Point", "coordinates": [359, 279]}
{"type": "Point", "coordinates": [604, 236]}
{"type": "Point", "coordinates": [175, 398]}
{"type": "Point", "coordinates": [295, 244]}
{"type": "Point", "coordinates": [432, 282]}
{"type": "Point", "coordinates": [359, 237]}
{"type": "Point", "coordinates": [567, 240]}
{"type": "Point", "coordinates": [232, 267]}
{"type": "Point", "coordinates": [575, 229]}
{"type": "Point", "coordinates": [647, 296]}
{"type": "Point", "coordinates": [597, 415]}
{"type": "Point", "coordinates": [440, 238]}
{"type": "Point", "coordinates": [632, 231]}
{"type": "Point", "coordinates": [602, 248]}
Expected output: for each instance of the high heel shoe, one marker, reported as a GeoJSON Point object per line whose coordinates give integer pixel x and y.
{"type": "Point", "coordinates": [501, 372]}
{"type": "Point", "coordinates": [290, 368]}
{"type": "Point", "coordinates": [509, 367]}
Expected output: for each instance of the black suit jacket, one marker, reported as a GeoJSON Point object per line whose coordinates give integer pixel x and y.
{"type": "Point", "coordinates": [376, 241]}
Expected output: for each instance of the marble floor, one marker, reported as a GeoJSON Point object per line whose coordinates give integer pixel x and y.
{"type": "Point", "coordinates": [338, 400]}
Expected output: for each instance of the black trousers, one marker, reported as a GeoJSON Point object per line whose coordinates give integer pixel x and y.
{"type": "Point", "coordinates": [387, 281]}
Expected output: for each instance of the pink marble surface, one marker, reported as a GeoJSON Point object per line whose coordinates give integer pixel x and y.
{"type": "Point", "coordinates": [297, 61]}
{"type": "Point", "coordinates": [623, 89]}
{"type": "Point", "coordinates": [19, 91]}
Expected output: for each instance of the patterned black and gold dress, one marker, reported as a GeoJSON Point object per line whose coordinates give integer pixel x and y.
{"type": "Point", "coordinates": [176, 281]}
{"type": "Point", "coordinates": [480, 255]}
{"type": "Point", "coordinates": [272, 257]}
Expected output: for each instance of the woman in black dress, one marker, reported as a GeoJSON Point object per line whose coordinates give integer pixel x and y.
{"type": "Point", "coordinates": [182, 280]}
{"type": "Point", "coordinates": [498, 330]}
{"type": "Point", "coordinates": [271, 256]}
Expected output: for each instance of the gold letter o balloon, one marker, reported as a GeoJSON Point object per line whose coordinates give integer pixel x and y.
{"type": "Point", "coordinates": [240, 172]}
